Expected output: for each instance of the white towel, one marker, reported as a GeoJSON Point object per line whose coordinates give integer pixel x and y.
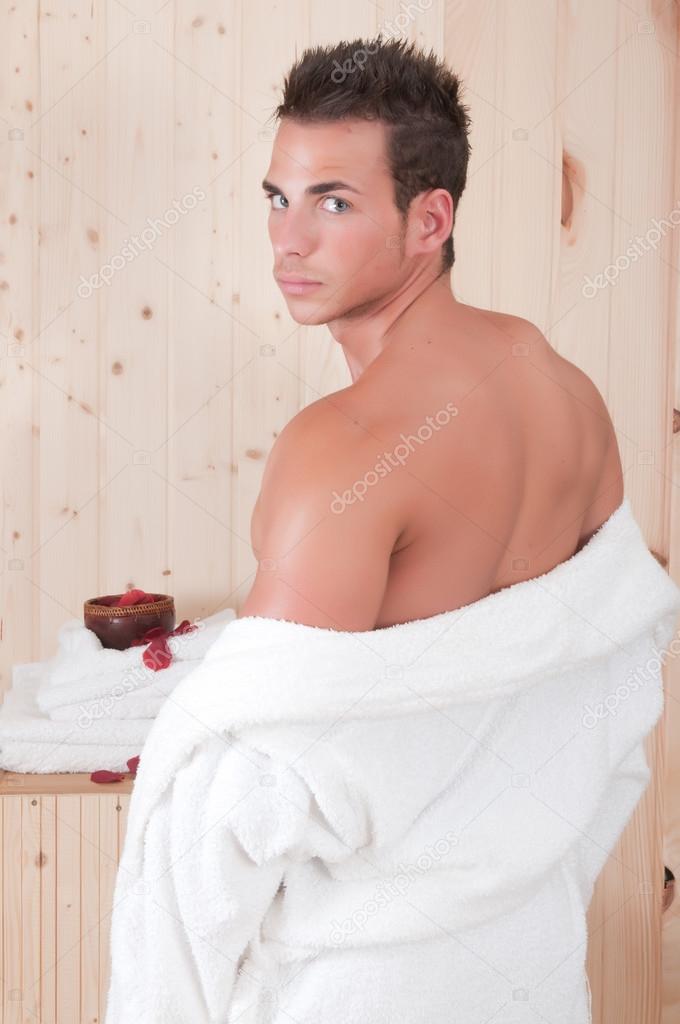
{"type": "Point", "coordinates": [39, 733]}
{"type": "Point", "coordinates": [85, 682]}
{"type": "Point", "coordinates": [400, 825]}
{"type": "Point", "coordinates": [31, 742]}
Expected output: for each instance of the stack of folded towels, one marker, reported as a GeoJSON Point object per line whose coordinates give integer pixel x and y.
{"type": "Point", "coordinates": [90, 707]}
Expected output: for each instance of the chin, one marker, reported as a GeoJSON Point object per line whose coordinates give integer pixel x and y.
{"type": "Point", "coordinates": [309, 318]}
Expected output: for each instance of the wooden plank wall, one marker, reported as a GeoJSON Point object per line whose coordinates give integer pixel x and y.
{"type": "Point", "coordinates": [60, 855]}
{"type": "Point", "coordinates": [135, 416]}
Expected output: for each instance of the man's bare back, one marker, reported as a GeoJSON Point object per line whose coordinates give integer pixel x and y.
{"type": "Point", "coordinates": [514, 470]}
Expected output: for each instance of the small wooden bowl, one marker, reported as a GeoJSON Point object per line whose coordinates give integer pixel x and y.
{"type": "Point", "coordinates": [117, 628]}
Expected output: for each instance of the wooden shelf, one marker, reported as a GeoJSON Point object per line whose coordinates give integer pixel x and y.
{"type": "Point", "coordinates": [20, 783]}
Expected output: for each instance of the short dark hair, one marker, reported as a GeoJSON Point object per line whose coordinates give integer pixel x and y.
{"type": "Point", "coordinates": [415, 94]}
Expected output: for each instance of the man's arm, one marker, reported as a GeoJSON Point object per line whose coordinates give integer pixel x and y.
{"type": "Point", "coordinates": [324, 554]}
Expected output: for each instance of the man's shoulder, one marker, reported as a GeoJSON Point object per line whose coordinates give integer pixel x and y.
{"type": "Point", "coordinates": [600, 457]}
{"type": "Point", "coordinates": [533, 342]}
{"type": "Point", "coordinates": [570, 393]}
{"type": "Point", "coordinates": [327, 434]}
{"type": "Point", "coordinates": [506, 326]}
{"type": "Point", "coordinates": [322, 463]}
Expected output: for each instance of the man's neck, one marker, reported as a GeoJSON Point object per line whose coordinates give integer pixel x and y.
{"type": "Point", "coordinates": [419, 302]}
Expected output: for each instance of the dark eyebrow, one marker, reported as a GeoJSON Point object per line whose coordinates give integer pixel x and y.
{"type": "Point", "coordinates": [315, 190]}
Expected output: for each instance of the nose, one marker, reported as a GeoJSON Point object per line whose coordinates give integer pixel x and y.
{"type": "Point", "coordinates": [291, 233]}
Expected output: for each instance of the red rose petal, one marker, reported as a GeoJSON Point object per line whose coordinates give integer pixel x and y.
{"type": "Point", "coordinates": [157, 655]}
{"type": "Point", "coordinates": [105, 776]}
{"type": "Point", "coordinates": [184, 627]}
{"type": "Point", "coordinates": [136, 596]}
{"type": "Point", "coordinates": [151, 634]}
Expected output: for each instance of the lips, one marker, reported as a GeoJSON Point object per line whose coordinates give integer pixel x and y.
{"type": "Point", "coordinates": [289, 279]}
{"type": "Point", "coordinates": [297, 285]}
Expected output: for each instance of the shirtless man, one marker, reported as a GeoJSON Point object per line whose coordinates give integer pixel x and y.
{"type": "Point", "coordinates": [465, 456]}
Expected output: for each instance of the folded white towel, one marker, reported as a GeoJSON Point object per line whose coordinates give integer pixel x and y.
{"type": "Point", "coordinates": [136, 692]}
{"type": "Point", "coordinates": [402, 824]}
{"type": "Point", "coordinates": [85, 682]}
{"type": "Point", "coordinates": [31, 742]}
{"type": "Point", "coordinates": [39, 733]}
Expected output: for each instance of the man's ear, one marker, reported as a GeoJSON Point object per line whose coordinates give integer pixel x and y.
{"type": "Point", "coordinates": [431, 221]}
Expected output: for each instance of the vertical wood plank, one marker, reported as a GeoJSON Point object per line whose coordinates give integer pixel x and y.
{"type": "Point", "coordinates": [64, 359]}
{"type": "Point", "coordinates": [31, 883]}
{"type": "Point", "coordinates": [638, 398]}
{"type": "Point", "coordinates": [643, 188]}
{"type": "Point", "coordinates": [506, 58]}
{"type": "Point", "coordinates": [109, 821]}
{"type": "Point", "coordinates": [48, 909]}
{"type": "Point", "coordinates": [204, 66]}
{"type": "Point", "coordinates": [136, 176]}
{"type": "Point", "coordinates": [91, 917]}
{"type": "Point", "coordinates": [69, 909]}
{"type": "Point", "coordinates": [670, 935]}
{"type": "Point", "coordinates": [12, 923]}
{"type": "Point", "coordinates": [582, 168]}
{"type": "Point", "coordinates": [19, 325]}
{"type": "Point", "coordinates": [124, 805]}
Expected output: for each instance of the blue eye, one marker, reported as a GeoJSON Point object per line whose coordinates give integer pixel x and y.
{"type": "Point", "coordinates": [335, 199]}
{"type": "Point", "coordinates": [274, 195]}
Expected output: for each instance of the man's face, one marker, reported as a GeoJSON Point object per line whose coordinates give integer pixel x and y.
{"type": "Point", "coordinates": [351, 242]}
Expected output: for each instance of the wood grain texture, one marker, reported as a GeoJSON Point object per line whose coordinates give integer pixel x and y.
{"type": "Point", "coordinates": [136, 413]}
{"type": "Point", "coordinates": [60, 856]}
{"type": "Point", "coordinates": [670, 767]}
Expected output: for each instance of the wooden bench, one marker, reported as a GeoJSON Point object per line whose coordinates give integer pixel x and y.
{"type": "Point", "coordinates": [62, 836]}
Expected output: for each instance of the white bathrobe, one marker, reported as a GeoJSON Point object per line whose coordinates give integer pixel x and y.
{"type": "Point", "coordinates": [397, 826]}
